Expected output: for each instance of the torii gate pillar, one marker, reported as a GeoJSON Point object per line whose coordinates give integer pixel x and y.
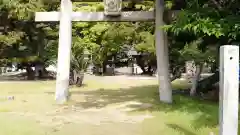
{"type": "Point", "coordinates": [64, 51]}
{"type": "Point", "coordinates": [165, 90]}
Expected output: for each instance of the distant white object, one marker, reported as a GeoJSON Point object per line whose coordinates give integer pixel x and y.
{"type": "Point", "coordinates": [128, 70]}
{"type": "Point", "coordinates": [51, 68]}
{"type": "Point", "coordinates": [22, 70]}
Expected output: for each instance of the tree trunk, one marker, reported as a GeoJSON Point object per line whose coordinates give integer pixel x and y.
{"type": "Point", "coordinates": [207, 84]}
{"type": "Point", "coordinates": [214, 67]}
{"type": "Point", "coordinates": [104, 67]}
{"type": "Point", "coordinates": [79, 80]}
{"type": "Point", "coordinates": [149, 70]}
{"type": "Point", "coordinates": [46, 73]}
{"type": "Point", "coordinates": [196, 79]}
{"type": "Point", "coordinates": [140, 63]}
{"type": "Point", "coordinates": [76, 78]}
{"type": "Point", "coordinates": [30, 73]}
{"type": "Point", "coordinates": [39, 71]}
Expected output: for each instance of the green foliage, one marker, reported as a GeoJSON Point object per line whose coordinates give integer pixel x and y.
{"type": "Point", "coordinates": [27, 41]}
{"type": "Point", "coordinates": [104, 39]}
{"type": "Point", "coordinates": [21, 9]}
{"type": "Point", "coordinates": [192, 52]}
{"type": "Point", "coordinates": [202, 27]}
{"type": "Point", "coordinates": [78, 58]}
{"type": "Point", "coordinates": [203, 18]}
{"type": "Point", "coordinates": [146, 42]}
{"type": "Point", "coordinates": [21, 37]}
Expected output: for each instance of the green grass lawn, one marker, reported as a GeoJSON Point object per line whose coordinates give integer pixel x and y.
{"type": "Point", "coordinates": [127, 107]}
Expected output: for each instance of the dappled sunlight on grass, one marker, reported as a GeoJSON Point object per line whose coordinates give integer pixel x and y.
{"type": "Point", "coordinates": [196, 116]}
{"type": "Point", "coordinates": [185, 115]}
{"type": "Point", "coordinates": [34, 106]}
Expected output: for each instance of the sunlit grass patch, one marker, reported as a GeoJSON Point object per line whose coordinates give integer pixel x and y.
{"type": "Point", "coordinates": [34, 111]}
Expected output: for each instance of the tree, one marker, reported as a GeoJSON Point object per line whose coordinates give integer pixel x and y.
{"type": "Point", "coordinates": [105, 40]}
{"type": "Point", "coordinates": [79, 63]}
{"type": "Point", "coordinates": [23, 40]}
{"type": "Point", "coordinates": [215, 23]}
{"type": "Point", "coordinates": [191, 52]}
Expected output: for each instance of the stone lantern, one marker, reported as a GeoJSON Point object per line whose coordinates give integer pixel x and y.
{"type": "Point", "coordinates": [131, 53]}
{"type": "Point", "coordinates": [112, 7]}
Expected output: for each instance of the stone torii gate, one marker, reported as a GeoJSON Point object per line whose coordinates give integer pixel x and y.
{"type": "Point", "coordinates": [112, 12]}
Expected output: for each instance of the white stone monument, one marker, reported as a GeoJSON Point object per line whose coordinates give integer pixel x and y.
{"type": "Point", "coordinates": [229, 89]}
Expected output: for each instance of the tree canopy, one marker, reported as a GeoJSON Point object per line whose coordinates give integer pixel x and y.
{"type": "Point", "coordinates": [199, 25]}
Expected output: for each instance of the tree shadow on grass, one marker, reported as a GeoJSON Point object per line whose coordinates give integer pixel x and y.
{"type": "Point", "coordinates": [23, 77]}
{"type": "Point", "coordinates": [206, 112]}
{"type": "Point", "coordinates": [180, 129]}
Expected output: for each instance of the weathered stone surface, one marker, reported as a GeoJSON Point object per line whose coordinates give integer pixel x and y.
{"type": "Point", "coordinates": [229, 90]}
